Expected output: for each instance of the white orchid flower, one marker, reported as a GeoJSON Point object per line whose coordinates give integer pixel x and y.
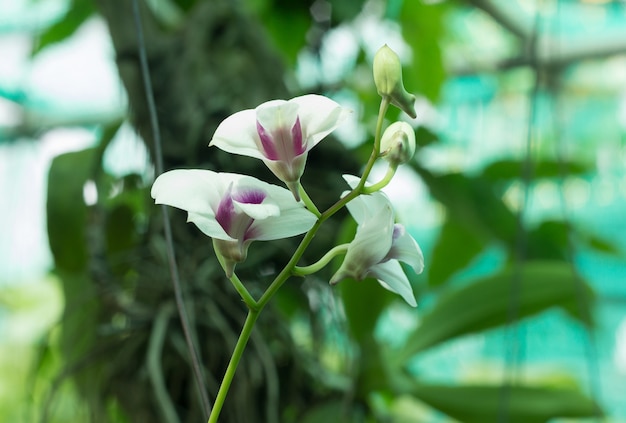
{"type": "Point", "coordinates": [281, 133]}
{"type": "Point", "coordinates": [379, 246]}
{"type": "Point", "coordinates": [232, 209]}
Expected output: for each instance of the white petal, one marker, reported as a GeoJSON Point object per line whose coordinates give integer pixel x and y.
{"type": "Point", "coordinates": [358, 209]}
{"type": "Point", "coordinates": [294, 218]}
{"type": "Point", "coordinates": [371, 243]}
{"type": "Point", "coordinates": [291, 222]}
{"type": "Point", "coordinates": [276, 114]}
{"type": "Point", "coordinates": [319, 116]}
{"type": "Point", "coordinates": [391, 276]}
{"type": "Point", "coordinates": [259, 211]}
{"type": "Point", "coordinates": [352, 180]}
{"type": "Point", "coordinates": [237, 134]}
{"type": "Point", "coordinates": [366, 206]}
{"type": "Point", "coordinates": [279, 204]}
{"type": "Point", "coordinates": [209, 226]}
{"type": "Point", "coordinates": [193, 190]}
{"type": "Point", "coordinates": [406, 249]}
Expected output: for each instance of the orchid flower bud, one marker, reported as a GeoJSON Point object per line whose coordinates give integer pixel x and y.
{"type": "Point", "coordinates": [388, 80]}
{"type": "Point", "coordinates": [397, 145]}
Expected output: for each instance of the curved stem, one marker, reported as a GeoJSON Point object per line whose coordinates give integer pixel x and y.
{"type": "Point", "coordinates": [307, 270]}
{"type": "Point", "coordinates": [239, 286]}
{"type": "Point", "coordinates": [384, 105]}
{"type": "Point", "coordinates": [391, 171]}
{"type": "Point", "coordinates": [245, 295]}
{"type": "Point", "coordinates": [286, 272]}
{"type": "Point", "coordinates": [246, 331]}
{"type": "Point", "coordinates": [310, 205]}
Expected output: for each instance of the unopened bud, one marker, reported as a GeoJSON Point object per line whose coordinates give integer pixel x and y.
{"type": "Point", "coordinates": [388, 80]}
{"type": "Point", "coordinates": [397, 145]}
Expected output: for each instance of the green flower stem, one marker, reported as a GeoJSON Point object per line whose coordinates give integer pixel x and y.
{"type": "Point", "coordinates": [239, 286]}
{"type": "Point", "coordinates": [253, 314]}
{"type": "Point", "coordinates": [246, 331]}
{"type": "Point", "coordinates": [384, 105]}
{"type": "Point", "coordinates": [287, 270]}
{"type": "Point", "coordinates": [307, 270]}
{"type": "Point", "coordinates": [255, 307]}
{"type": "Point", "coordinates": [310, 205]}
{"type": "Point", "coordinates": [382, 111]}
{"type": "Point", "coordinates": [245, 295]}
{"type": "Point", "coordinates": [391, 171]}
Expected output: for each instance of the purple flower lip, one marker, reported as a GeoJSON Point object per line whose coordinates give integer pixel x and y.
{"type": "Point", "coordinates": [236, 223]}
{"type": "Point", "coordinates": [250, 196]}
{"type": "Point", "coordinates": [226, 212]}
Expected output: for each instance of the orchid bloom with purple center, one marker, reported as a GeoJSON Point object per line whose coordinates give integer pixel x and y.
{"type": "Point", "coordinates": [281, 133]}
{"type": "Point", "coordinates": [232, 209]}
{"type": "Point", "coordinates": [379, 245]}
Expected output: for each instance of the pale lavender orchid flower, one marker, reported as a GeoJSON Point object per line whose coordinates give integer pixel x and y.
{"type": "Point", "coordinates": [281, 133]}
{"type": "Point", "coordinates": [379, 245]}
{"type": "Point", "coordinates": [233, 209]}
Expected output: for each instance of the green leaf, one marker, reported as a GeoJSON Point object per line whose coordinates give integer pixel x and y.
{"type": "Point", "coordinates": [363, 303]}
{"type": "Point", "coordinates": [66, 211]}
{"type": "Point", "coordinates": [422, 28]}
{"type": "Point", "coordinates": [79, 321]}
{"type": "Point", "coordinates": [185, 5]}
{"type": "Point", "coordinates": [287, 23]}
{"type": "Point", "coordinates": [597, 243]}
{"type": "Point", "coordinates": [484, 304]}
{"type": "Point", "coordinates": [342, 11]}
{"type": "Point", "coordinates": [120, 235]}
{"type": "Point", "coordinates": [425, 137]}
{"type": "Point", "coordinates": [473, 203]}
{"type": "Point", "coordinates": [524, 404]}
{"type": "Point", "coordinates": [449, 254]}
{"type": "Point", "coordinates": [545, 168]}
{"type": "Point", "coordinates": [78, 13]}
{"type": "Point", "coordinates": [67, 216]}
{"type": "Point", "coordinates": [332, 411]}
{"type": "Point", "coordinates": [548, 241]}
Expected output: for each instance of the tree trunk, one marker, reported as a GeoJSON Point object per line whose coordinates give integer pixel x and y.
{"type": "Point", "coordinates": [217, 63]}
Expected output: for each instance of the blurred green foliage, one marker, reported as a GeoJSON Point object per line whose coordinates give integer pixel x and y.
{"type": "Point", "coordinates": [537, 277]}
{"type": "Point", "coordinates": [77, 13]}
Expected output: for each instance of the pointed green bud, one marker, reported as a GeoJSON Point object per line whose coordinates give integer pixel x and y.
{"type": "Point", "coordinates": [397, 145]}
{"type": "Point", "coordinates": [388, 80]}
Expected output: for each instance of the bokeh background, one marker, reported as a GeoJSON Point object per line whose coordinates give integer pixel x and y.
{"type": "Point", "coordinates": [516, 195]}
